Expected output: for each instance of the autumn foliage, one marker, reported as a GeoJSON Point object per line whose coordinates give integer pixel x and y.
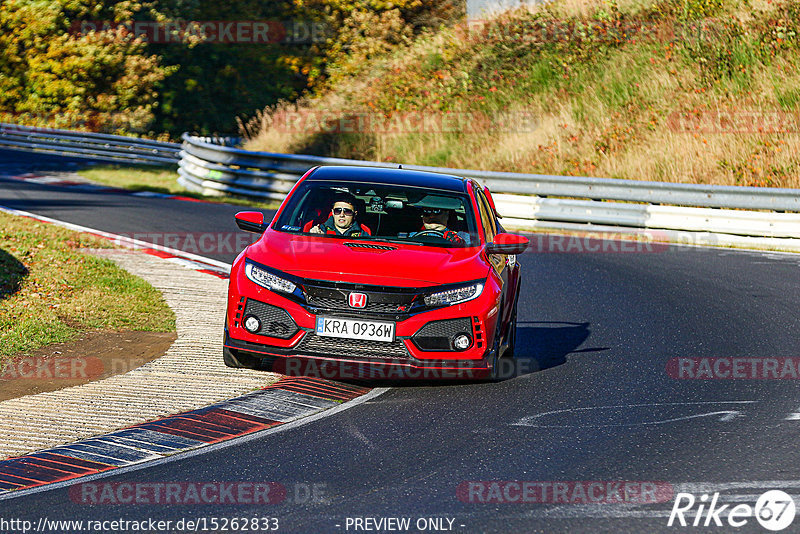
{"type": "Point", "coordinates": [50, 76]}
{"type": "Point", "coordinates": [54, 72]}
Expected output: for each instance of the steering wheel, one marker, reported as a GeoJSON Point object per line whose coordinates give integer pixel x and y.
{"type": "Point", "coordinates": [437, 233]}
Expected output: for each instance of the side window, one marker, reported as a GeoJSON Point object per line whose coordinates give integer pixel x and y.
{"type": "Point", "coordinates": [487, 216]}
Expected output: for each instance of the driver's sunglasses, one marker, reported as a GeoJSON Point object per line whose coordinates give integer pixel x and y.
{"type": "Point", "coordinates": [346, 211]}
{"type": "Point", "coordinates": [433, 211]}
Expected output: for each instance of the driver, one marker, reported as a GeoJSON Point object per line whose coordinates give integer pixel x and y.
{"type": "Point", "coordinates": [342, 220]}
{"type": "Point", "coordinates": [435, 219]}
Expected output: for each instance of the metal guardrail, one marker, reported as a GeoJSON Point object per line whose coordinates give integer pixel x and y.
{"type": "Point", "coordinates": [212, 168]}
{"type": "Point", "coordinates": [106, 147]}
{"type": "Point", "coordinates": [269, 172]}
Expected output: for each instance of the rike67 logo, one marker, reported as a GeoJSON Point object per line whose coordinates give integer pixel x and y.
{"type": "Point", "coordinates": [774, 510]}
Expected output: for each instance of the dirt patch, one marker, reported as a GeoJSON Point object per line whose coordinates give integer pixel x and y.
{"type": "Point", "coordinates": [95, 355]}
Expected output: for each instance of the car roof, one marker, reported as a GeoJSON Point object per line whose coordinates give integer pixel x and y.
{"type": "Point", "coordinates": [432, 180]}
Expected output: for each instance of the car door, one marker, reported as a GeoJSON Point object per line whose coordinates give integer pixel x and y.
{"type": "Point", "coordinates": [499, 262]}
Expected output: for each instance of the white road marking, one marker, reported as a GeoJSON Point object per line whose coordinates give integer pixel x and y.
{"type": "Point", "coordinates": [123, 240]}
{"type": "Point", "coordinates": [711, 487]}
{"type": "Point", "coordinates": [725, 415]}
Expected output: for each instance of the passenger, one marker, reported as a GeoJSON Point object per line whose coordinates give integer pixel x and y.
{"type": "Point", "coordinates": [342, 220]}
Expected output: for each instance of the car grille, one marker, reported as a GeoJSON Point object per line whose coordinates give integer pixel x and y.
{"type": "Point", "coordinates": [370, 246]}
{"type": "Point", "coordinates": [354, 348]}
{"type": "Point", "coordinates": [333, 296]}
{"type": "Point", "coordinates": [275, 322]}
{"type": "Point", "coordinates": [341, 304]}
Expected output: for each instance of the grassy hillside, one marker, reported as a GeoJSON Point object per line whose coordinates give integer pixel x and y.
{"type": "Point", "coordinates": [696, 91]}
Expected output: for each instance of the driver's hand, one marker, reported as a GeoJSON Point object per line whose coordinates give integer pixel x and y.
{"type": "Point", "coordinates": [453, 237]}
{"type": "Point", "coordinates": [315, 230]}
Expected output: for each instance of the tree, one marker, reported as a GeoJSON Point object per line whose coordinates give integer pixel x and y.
{"type": "Point", "coordinates": [52, 74]}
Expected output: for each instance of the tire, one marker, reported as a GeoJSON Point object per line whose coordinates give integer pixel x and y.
{"type": "Point", "coordinates": [236, 359]}
{"type": "Point", "coordinates": [512, 335]}
{"type": "Point", "coordinates": [495, 375]}
{"type": "Point", "coordinates": [508, 355]}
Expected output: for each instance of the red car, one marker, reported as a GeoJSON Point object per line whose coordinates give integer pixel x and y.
{"type": "Point", "coordinates": [398, 272]}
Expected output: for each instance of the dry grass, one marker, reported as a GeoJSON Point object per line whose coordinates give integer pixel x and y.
{"type": "Point", "coordinates": [585, 8]}
{"type": "Point", "coordinates": [611, 114]}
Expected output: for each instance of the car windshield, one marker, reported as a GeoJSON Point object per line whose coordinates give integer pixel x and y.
{"type": "Point", "coordinates": [380, 212]}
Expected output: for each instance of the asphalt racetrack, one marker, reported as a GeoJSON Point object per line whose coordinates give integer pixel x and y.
{"type": "Point", "coordinates": [622, 359]}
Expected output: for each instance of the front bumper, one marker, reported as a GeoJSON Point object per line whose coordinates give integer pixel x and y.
{"type": "Point", "coordinates": [287, 331]}
{"type": "Point", "coordinates": [291, 362]}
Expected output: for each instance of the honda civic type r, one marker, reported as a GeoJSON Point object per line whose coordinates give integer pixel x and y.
{"type": "Point", "coordinates": [369, 267]}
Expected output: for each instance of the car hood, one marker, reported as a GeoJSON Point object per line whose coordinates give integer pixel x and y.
{"type": "Point", "coordinates": [330, 259]}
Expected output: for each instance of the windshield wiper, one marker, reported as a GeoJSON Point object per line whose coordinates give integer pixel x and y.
{"type": "Point", "coordinates": [397, 241]}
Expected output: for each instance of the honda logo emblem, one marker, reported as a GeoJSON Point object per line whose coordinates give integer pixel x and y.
{"type": "Point", "coordinates": [357, 300]}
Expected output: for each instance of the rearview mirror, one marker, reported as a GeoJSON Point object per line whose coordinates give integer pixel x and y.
{"type": "Point", "coordinates": [251, 221]}
{"type": "Point", "coordinates": [507, 244]}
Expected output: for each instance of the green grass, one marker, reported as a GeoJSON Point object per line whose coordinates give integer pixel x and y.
{"type": "Point", "coordinates": [159, 180]}
{"type": "Point", "coordinates": [438, 158]}
{"type": "Point", "coordinates": [788, 98]}
{"type": "Point", "coordinates": [49, 291]}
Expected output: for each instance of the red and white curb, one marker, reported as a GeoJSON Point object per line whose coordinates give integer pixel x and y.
{"type": "Point", "coordinates": [285, 401]}
{"type": "Point", "coordinates": [187, 259]}
{"type": "Point", "coordinates": [283, 404]}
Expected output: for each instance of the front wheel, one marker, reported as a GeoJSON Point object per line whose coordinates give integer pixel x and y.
{"type": "Point", "coordinates": [512, 335]}
{"type": "Point", "coordinates": [495, 375]}
{"type": "Point", "coordinates": [505, 362]}
{"type": "Point", "coordinates": [236, 359]}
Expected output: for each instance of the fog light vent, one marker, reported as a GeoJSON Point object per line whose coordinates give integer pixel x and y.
{"type": "Point", "coordinates": [441, 335]}
{"type": "Point", "coordinates": [272, 321]}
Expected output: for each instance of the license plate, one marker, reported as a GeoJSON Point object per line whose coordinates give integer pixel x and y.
{"type": "Point", "coordinates": [354, 329]}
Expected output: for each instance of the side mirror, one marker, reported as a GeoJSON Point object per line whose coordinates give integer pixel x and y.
{"type": "Point", "coordinates": [251, 221]}
{"type": "Point", "coordinates": [507, 244]}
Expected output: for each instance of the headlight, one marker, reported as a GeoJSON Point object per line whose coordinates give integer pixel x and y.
{"type": "Point", "coordinates": [454, 296]}
{"type": "Point", "coordinates": [268, 280]}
